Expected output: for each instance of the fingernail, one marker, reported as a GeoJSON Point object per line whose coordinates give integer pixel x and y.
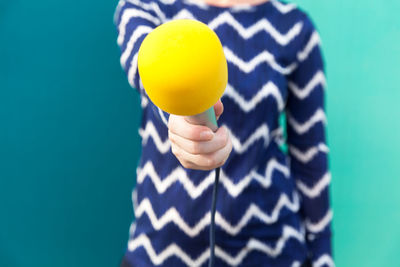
{"type": "Point", "coordinates": [206, 135]}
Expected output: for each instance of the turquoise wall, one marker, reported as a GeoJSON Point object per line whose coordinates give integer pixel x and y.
{"type": "Point", "coordinates": [69, 142]}
{"type": "Point", "coordinates": [361, 42]}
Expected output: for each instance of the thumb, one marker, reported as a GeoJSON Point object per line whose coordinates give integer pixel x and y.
{"type": "Point", "coordinates": [218, 108]}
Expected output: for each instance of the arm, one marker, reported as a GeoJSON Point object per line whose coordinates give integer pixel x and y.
{"type": "Point", "coordinates": [307, 145]}
{"type": "Point", "coordinates": [134, 20]}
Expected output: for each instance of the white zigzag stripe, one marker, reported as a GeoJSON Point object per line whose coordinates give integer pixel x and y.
{"type": "Point", "coordinates": [301, 128]}
{"type": "Point", "coordinates": [144, 102]}
{"type": "Point", "coordinates": [317, 188]}
{"type": "Point", "coordinates": [319, 226]}
{"type": "Point", "coordinates": [139, 31]}
{"type": "Point", "coordinates": [308, 155]}
{"type": "Point", "coordinates": [150, 6]}
{"type": "Point", "coordinates": [121, 3]}
{"type": "Point", "coordinates": [262, 57]}
{"type": "Point", "coordinates": [200, 4]}
{"type": "Point", "coordinates": [261, 132]}
{"type": "Point", "coordinates": [252, 244]}
{"type": "Point", "coordinates": [235, 189]}
{"type": "Point", "coordinates": [284, 9]}
{"type": "Point", "coordinates": [172, 215]}
{"type": "Point", "coordinates": [261, 25]}
{"type": "Point", "coordinates": [133, 13]}
{"type": "Point", "coordinates": [150, 130]}
{"type": "Point", "coordinates": [241, 7]}
{"type": "Point", "coordinates": [255, 211]}
{"type": "Point", "coordinates": [268, 89]}
{"type": "Point", "coordinates": [193, 191]}
{"type": "Point", "coordinates": [183, 14]}
{"type": "Point", "coordinates": [167, 2]}
{"type": "Point", "coordinates": [132, 70]}
{"type": "Point", "coordinates": [301, 93]}
{"type": "Point", "coordinates": [323, 260]}
{"type": "Point", "coordinates": [314, 41]}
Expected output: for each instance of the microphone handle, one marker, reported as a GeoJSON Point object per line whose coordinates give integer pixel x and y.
{"type": "Point", "coordinates": [207, 118]}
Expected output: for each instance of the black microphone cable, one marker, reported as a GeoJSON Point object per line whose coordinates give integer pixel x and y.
{"type": "Point", "coordinates": [212, 224]}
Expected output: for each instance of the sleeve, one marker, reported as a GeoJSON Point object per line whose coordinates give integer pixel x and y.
{"type": "Point", "coordinates": [134, 19]}
{"type": "Point", "coordinates": [308, 150]}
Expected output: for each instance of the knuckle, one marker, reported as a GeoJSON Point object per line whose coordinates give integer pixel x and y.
{"type": "Point", "coordinates": [171, 136]}
{"type": "Point", "coordinates": [185, 164]}
{"type": "Point", "coordinates": [210, 162]}
{"type": "Point", "coordinates": [194, 148]}
{"type": "Point", "coordinates": [175, 151]}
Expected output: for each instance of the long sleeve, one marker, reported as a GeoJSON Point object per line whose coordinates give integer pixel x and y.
{"type": "Point", "coordinates": [306, 121]}
{"type": "Point", "coordinates": [134, 20]}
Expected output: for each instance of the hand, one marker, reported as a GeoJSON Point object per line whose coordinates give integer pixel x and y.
{"type": "Point", "coordinates": [197, 147]}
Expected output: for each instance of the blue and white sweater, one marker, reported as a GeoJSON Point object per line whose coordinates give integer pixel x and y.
{"type": "Point", "coordinates": [273, 206]}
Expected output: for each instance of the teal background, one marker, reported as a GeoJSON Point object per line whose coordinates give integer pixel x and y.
{"type": "Point", "coordinates": [69, 144]}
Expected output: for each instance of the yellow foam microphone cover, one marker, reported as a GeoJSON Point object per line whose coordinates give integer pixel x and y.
{"type": "Point", "coordinates": [183, 67]}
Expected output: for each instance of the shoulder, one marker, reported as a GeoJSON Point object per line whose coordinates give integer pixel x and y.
{"type": "Point", "coordinates": [291, 13]}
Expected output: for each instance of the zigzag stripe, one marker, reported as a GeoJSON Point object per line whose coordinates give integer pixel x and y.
{"type": "Point", "coordinates": [314, 41]}
{"type": "Point", "coordinates": [121, 3]}
{"type": "Point", "coordinates": [150, 6]}
{"type": "Point", "coordinates": [284, 9]}
{"type": "Point", "coordinates": [301, 128]}
{"type": "Point", "coordinates": [172, 215]}
{"type": "Point", "coordinates": [183, 14]}
{"type": "Point", "coordinates": [133, 13]}
{"type": "Point", "coordinates": [241, 7]}
{"type": "Point", "coordinates": [268, 89]}
{"type": "Point", "coordinates": [150, 131]}
{"type": "Point", "coordinates": [261, 25]}
{"type": "Point", "coordinates": [263, 57]}
{"type": "Point", "coordinates": [307, 156]}
{"type": "Point", "coordinates": [262, 132]}
{"type": "Point", "coordinates": [139, 31]}
{"type": "Point", "coordinates": [317, 188]}
{"type": "Point", "coordinates": [301, 93]}
{"type": "Point", "coordinates": [323, 260]}
{"type": "Point", "coordinates": [265, 181]}
{"type": "Point", "coordinates": [179, 174]}
{"type": "Point", "coordinates": [132, 70]}
{"type": "Point", "coordinates": [200, 4]}
{"type": "Point", "coordinates": [143, 102]}
{"type": "Point", "coordinates": [319, 226]}
{"type": "Point", "coordinates": [252, 244]}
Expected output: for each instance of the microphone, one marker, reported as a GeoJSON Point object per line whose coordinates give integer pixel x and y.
{"type": "Point", "coordinates": [184, 72]}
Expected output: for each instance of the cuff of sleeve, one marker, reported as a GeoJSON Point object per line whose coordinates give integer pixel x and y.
{"type": "Point", "coordinates": [320, 248]}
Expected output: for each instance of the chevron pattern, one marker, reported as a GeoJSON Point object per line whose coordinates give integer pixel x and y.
{"type": "Point", "coordinates": [271, 64]}
{"type": "Point", "coordinates": [253, 211]}
{"type": "Point", "coordinates": [262, 25]}
{"type": "Point", "coordinates": [269, 89]}
{"type": "Point", "coordinates": [302, 93]}
{"type": "Point", "coordinates": [309, 154]}
{"type": "Point", "coordinates": [252, 244]}
{"type": "Point", "coordinates": [180, 175]}
{"type": "Point", "coordinates": [316, 190]}
{"type": "Point", "coordinates": [263, 57]}
{"type": "Point", "coordinates": [324, 260]}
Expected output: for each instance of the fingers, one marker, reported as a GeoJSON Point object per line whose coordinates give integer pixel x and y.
{"type": "Point", "coordinates": [219, 140]}
{"type": "Point", "coordinates": [179, 126]}
{"type": "Point", "coordinates": [203, 161]}
{"type": "Point", "coordinates": [196, 146]}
